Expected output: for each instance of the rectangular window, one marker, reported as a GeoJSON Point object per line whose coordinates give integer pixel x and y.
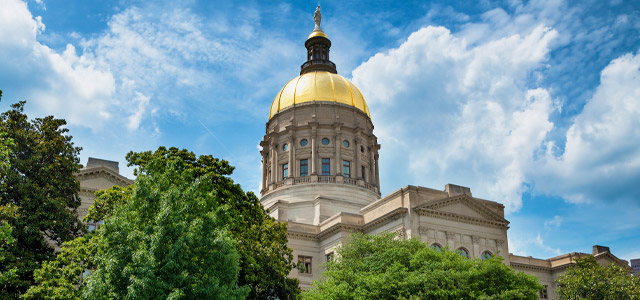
{"type": "Point", "coordinates": [285, 171]}
{"type": "Point", "coordinates": [304, 168]}
{"type": "Point", "coordinates": [544, 293]}
{"type": "Point", "coordinates": [362, 174]}
{"type": "Point", "coordinates": [329, 256]}
{"type": "Point", "coordinates": [346, 168]}
{"type": "Point", "coordinates": [305, 262]}
{"type": "Point", "coordinates": [326, 166]}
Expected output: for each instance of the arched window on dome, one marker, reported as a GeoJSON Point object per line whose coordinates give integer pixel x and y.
{"type": "Point", "coordinates": [463, 252]}
{"type": "Point", "coordinates": [486, 255]}
{"type": "Point", "coordinates": [436, 246]}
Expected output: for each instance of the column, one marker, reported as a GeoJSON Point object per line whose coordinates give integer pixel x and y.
{"type": "Point", "coordinates": [265, 161]}
{"type": "Point", "coordinates": [314, 151]}
{"type": "Point", "coordinates": [377, 170]}
{"type": "Point", "coordinates": [358, 156]}
{"type": "Point", "coordinates": [291, 154]}
{"type": "Point", "coordinates": [338, 138]}
{"type": "Point", "coordinates": [372, 168]}
{"type": "Point", "coordinates": [274, 161]}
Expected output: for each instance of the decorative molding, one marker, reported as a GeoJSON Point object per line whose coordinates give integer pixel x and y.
{"type": "Point", "coordinates": [460, 218]}
{"type": "Point", "coordinates": [390, 216]}
{"type": "Point", "coordinates": [450, 235]}
{"type": "Point", "coordinates": [475, 240]}
{"type": "Point", "coordinates": [424, 231]}
{"type": "Point", "coordinates": [499, 244]}
{"type": "Point", "coordinates": [490, 216]}
{"type": "Point", "coordinates": [302, 236]}
{"type": "Point", "coordinates": [530, 267]}
{"type": "Point", "coordinates": [401, 232]}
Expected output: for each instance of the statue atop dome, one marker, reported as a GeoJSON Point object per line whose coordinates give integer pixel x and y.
{"type": "Point", "coordinates": [317, 17]}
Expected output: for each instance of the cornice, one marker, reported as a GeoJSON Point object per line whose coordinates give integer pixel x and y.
{"type": "Point", "coordinates": [104, 172]}
{"type": "Point", "coordinates": [531, 267]}
{"type": "Point", "coordinates": [392, 215]}
{"type": "Point", "coordinates": [350, 228]}
{"type": "Point", "coordinates": [459, 218]}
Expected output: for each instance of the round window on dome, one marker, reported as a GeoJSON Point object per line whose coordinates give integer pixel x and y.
{"type": "Point", "coordinates": [345, 143]}
{"type": "Point", "coordinates": [285, 147]}
{"type": "Point", "coordinates": [325, 141]}
{"type": "Point", "coordinates": [303, 142]}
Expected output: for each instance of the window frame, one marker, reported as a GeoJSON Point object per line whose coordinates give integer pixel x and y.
{"type": "Point", "coordinates": [307, 262]}
{"type": "Point", "coordinates": [346, 166]}
{"type": "Point", "coordinates": [328, 165]}
{"type": "Point", "coordinates": [466, 252]}
{"type": "Point", "coordinates": [285, 171]}
{"type": "Point", "coordinates": [304, 168]}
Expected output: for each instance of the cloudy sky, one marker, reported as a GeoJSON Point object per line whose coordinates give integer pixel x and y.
{"type": "Point", "coordinates": [533, 104]}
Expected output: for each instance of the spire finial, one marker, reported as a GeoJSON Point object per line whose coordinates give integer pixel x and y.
{"type": "Point", "coordinates": [317, 17]}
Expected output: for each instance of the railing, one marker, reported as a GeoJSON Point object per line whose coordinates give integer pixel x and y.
{"type": "Point", "coordinates": [304, 179]}
{"type": "Point", "coordinates": [350, 181]}
{"type": "Point", "coordinates": [327, 179]}
{"type": "Point", "coordinates": [318, 62]}
{"type": "Point", "coordinates": [320, 179]}
{"type": "Point", "coordinates": [281, 183]}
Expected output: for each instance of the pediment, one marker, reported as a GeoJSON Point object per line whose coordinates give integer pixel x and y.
{"type": "Point", "coordinates": [463, 207]}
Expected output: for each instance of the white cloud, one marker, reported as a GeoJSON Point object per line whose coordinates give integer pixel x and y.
{"type": "Point", "coordinates": [601, 158]}
{"type": "Point", "coordinates": [553, 223]}
{"type": "Point", "coordinates": [536, 244]}
{"type": "Point", "coordinates": [461, 113]}
{"type": "Point", "coordinates": [70, 86]}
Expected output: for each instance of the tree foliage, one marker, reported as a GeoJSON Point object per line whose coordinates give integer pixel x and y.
{"type": "Point", "coordinates": [60, 278]}
{"type": "Point", "coordinates": [172, 185]}
{"type": "Point", "coordinates": [167, 241]}
{"type": "Point", "coordinates": [384, 267]}
{"type": "Point", "coordinates": [265, 259]}
{"type": "Point", "coordinates": [589, 280]}
{"type": "Point", "coordinates": [39, 183]}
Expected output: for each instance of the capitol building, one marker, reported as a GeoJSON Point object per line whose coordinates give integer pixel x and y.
{"type": "Point", "coordinates": [320, 175]}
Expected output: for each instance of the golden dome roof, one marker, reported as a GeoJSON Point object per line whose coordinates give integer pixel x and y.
{"type": "Point", "coordinates": [317, 33]}
{"type": "Point", "coordinates": [318, 86]}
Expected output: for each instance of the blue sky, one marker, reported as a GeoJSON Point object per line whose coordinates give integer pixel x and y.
{"type": "Point", "coordinates": [532, 104]}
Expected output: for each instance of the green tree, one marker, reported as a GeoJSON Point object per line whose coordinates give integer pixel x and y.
{"type": "Point", "coordinates": [39, 183]}
{"type": "Point", "coordinates": [589, 280]}
{"type": "Point", "coordinates": [168, 240]}
{"type": "Point", "coordinates": [7, 212]}
{"type": "Point", "coordinates": [384, 267]}
{"type": "Point", "coordinates": [61, 278]}
{"type": "Point", "coordinates": [265, 259]}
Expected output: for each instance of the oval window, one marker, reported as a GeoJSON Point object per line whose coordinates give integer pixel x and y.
{"type": "Point", "coordinates": [285, 147]}
{"type": "Point", "coordinates": [303, 142]}
{"type": "Point", "coordinates": [345, 143]}
{"type": "Point", "coordinates": [325, 141]}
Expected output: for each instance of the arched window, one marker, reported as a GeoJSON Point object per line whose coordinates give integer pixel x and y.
{"type": "Point", "coordinates": [436, 247]}
{"type": "Point", "coordinates": [463, 252]}
{"type": "Point", "coordinates": [486, 255]}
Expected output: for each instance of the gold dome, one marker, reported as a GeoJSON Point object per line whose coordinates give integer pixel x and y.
{"type": "Point", "coordinates": [318, 86]}
{"type": "Point", "coordinates": [317, 33]}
